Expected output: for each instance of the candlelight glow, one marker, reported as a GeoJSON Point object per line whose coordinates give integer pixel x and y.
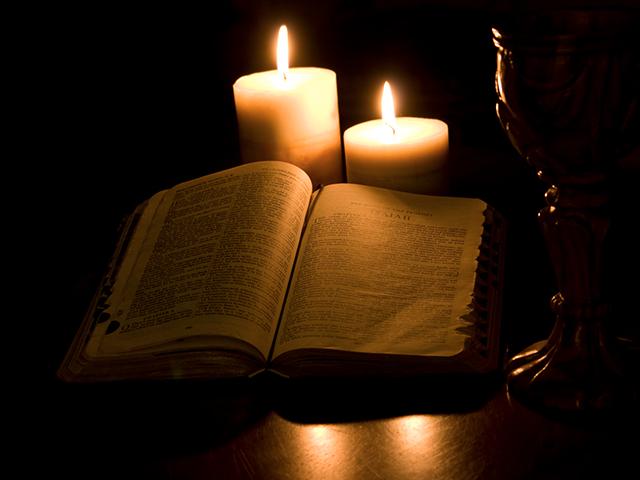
{"type": "Point", "coordinates": [282, 53]}
{"type": "Point", "coordinates": [388, 109]}
{"type": "Point", "coordinates": [327, 450]}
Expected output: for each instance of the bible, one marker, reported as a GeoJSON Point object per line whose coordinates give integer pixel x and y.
{"type": "Point", "coordinates": [249, 269]}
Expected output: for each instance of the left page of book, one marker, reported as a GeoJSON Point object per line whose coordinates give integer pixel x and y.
{"type": "Point", "coordinates": [209, 264]}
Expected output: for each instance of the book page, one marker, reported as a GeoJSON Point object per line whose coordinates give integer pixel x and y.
{"type": "Point", "coordinates": [384, 272]}
{"type": "Point", "coordinates": [215, 261]}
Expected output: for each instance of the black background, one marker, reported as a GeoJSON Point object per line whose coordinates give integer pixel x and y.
{"type": "Point", "coordinates": [116, 101]}
{"type": "Point", "coordinates": [132, 99]}
{"type": "Point", "coordinates": [121, 100]}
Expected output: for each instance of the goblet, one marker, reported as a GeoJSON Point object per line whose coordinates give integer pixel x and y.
{"type": "Point", "coordinates": [568, 93]}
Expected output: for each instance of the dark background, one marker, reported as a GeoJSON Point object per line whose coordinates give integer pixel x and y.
{"type": "Point", "coordinates": [121, 100]}
{"type": "Point", "coordinates": [135, 99]}
{"type": "Point", "coordinates": [129, 99]}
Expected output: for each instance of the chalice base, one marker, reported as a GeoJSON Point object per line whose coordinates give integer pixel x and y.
{"type": "Point", "coordinates": [561, 376]}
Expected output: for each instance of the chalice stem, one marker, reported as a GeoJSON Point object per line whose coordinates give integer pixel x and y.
{"type": "Point", "coordinates": [577, 366]}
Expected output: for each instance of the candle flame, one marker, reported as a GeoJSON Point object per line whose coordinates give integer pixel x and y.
{"type": "Point", "coordinates": [388, 109]}
{"type": "Point", "coordinates": [282, 53]}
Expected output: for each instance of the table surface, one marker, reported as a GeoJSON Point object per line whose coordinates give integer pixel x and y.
{"type": "Point", "coordinates": [274, 430]}
{"type": "Point", "coordinates": [270, 428]}
{"type": "Point", "coordinates": [138, 118]}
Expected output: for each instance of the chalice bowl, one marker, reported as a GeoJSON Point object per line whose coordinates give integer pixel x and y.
{"type": "Point", "coordinates": [568, 98]}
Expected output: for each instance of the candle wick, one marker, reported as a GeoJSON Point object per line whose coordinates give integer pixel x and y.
{"type": "Point", "coordinates": [393, 130]}
{"type": "Point", "coordinates": [284, 75]}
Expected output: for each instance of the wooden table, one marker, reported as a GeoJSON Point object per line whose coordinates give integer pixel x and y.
{"type": "Point", "coordinates": [269, 430]}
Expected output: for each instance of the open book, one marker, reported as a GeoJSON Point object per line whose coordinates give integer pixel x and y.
{"type": "Point", "coordinates": [248, 269]}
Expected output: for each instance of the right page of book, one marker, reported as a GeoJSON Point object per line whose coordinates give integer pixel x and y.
{"type": "Point", "coordinates": [381, 271]}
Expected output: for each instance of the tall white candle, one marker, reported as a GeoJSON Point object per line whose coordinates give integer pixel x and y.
{"type": "Point", "coordinates": [291, 114]}
{"type": "Point", "coordinates": [405, 153]}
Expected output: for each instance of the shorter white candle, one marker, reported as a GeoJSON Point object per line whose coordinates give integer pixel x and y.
{"type": "Point", "coordinates": [405, 153]}
{"type": "Point", "coordinates": [291, 114]}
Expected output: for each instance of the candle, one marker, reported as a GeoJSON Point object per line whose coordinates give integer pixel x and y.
{"type": "Point", "coordinates": [291, 114]}
{"type": "Point", "coordinates": [405, 153]}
